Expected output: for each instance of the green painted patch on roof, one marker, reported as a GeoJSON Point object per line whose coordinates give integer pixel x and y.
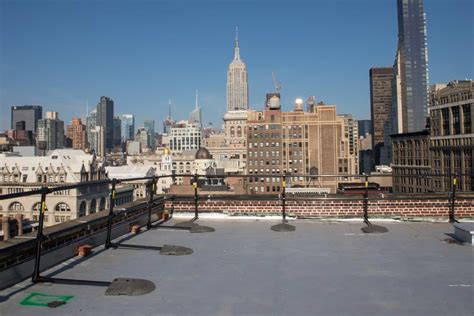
{"type": "Point", "coordinates": [45, 300]}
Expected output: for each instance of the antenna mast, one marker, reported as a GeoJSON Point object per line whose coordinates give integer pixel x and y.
{"type": "Point", "coordinates": [276, 83]}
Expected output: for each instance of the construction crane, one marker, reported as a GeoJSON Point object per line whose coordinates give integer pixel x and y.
{"type": "Point", "coordinates": [276, 83]}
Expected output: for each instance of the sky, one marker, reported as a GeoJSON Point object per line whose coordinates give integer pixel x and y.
{"type": "Point", "coordinates": [65, 55]}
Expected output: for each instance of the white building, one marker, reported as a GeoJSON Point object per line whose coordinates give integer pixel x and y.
{"type": "Point", "coordinates": [135, 171]}
{"type": "Point", "coordinates": [145, 168]}
{"type": "Point", "coordinates": [237, 82]}
{"type": "Point", "coordinates": [184, 136]}
{"type": "Point", "coordinates": [61, 167]}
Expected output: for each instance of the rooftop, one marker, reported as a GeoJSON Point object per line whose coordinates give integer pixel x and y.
{"type": "Point", "coordinates": [322, 268]}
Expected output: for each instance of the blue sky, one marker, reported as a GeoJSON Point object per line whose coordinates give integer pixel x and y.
{"type": "Point", "coordinates": [63, 54]}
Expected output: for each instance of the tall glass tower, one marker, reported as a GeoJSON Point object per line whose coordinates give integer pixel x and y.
{"type": "Point", "coordinates": [410, 84]}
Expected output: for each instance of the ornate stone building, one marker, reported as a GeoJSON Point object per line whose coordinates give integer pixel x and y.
{"type": "Point", "coordinates": [452, 133]}
{"type": "Point", "coordinates": [61, 167]}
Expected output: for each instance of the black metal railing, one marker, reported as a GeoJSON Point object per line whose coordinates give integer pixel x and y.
{"type": "Point", "coordinates": [282, 196]}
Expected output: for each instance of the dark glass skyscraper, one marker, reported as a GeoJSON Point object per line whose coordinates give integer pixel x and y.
{"type": "Point", "coordinates": [105, 119]}
{"type": "Point", "coordinates": [30, 114]}
{"type": "Point", "coordinates": [410, 83]}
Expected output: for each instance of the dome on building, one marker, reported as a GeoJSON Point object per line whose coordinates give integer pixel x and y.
{"type": "Point", "coordinates": [203, 153]}
{"type": "Point", "coordinates": [166, 151]}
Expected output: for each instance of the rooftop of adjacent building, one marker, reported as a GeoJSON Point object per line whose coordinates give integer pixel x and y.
{"type": "Point", "coordinates": [322, 268]}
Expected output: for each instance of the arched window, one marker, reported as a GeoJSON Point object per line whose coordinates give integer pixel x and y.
{"type": "Point", "coordinates": [232, 132]}
{"type": "Point", "coordinates": [82, 209]}
{"type": "Point", "coordinates": [37, 207]}
{"type": "Point", "coordinates": [239, 131]}
{"type": "Point", "coordinates": [102, 204]}
{"type": "Point", "coordinates": [93, 207]}
{"type": "Point", "coordinates": [62, 207]}
{"type": "Point", "coordinates": [16, 206]}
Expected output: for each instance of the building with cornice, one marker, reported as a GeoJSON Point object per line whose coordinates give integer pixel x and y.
{"type": "Point", "coordinates": [61, 167]}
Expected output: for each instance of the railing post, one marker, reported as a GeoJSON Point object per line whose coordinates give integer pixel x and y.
{"type": "Point", "coordinates": [39, 236]}
{"type": "Point", "coordinates": [173, 176]}
{"type": "Point", "coordinates": [111, 214]}
{"type": "Point", "coordinates": [452, 218]}
{"type": "Point", "coordinates": [172, 205]}
{"type": "Point", "coordinates": [195, 185]}
{"type": "Point", "coordinates": [283, 197]}
{"type": "Point", "coordinates": [150, 203]}
{"type": "Point", "coordinates": [366, 200]}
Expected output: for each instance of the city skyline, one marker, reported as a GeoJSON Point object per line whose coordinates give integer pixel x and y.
{"type": "Point", "coordinates": [303, 71]}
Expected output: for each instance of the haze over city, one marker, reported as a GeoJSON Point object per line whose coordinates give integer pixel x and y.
{"type": "Point", "coordinates": [62, 55]}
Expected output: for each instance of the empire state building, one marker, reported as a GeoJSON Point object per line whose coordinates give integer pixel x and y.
{"type": "Point", "coordinates": [237, 82]}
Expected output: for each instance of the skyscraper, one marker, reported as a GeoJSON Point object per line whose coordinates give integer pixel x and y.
{"type": "Point", "coordinates": [117, 131]}
{"type": "Point", "coordinates": [50, 132]}
{"type": "Point", "coordinates": [380, 105]}
{"type": "Point", "coordinates": [410, 84]}
{"type": "Point", "coordinates": [237, 82]}
{"type": "Point", "coordinates": [128, 126]}
{"type": "Point", "coordinates": [30, 114]}
{"type": "Point", "coordinates": [91, 121]}
{"type": "Point", "coordinates": [105, 119]}
{"type": "Point", "coordinates": [76, 131]}
{"type": "Point", "coordinates": [150, 129]}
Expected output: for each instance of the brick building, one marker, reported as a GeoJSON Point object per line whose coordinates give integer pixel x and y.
{"type": "Point", "coordinates": [77, 133]}
{"type": "Point", "coordinates": [297, 142]}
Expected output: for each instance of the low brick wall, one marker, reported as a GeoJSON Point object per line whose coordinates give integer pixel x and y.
{"type": "Point", "coordinates": [331, 207]}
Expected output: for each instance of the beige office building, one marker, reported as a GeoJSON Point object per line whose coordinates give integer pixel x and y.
{"type": "Point", "coordinates": [452, 133]}
{"type": "Point", "coordinates": [297, 143]}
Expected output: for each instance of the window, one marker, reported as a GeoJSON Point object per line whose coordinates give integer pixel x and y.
{"type": "Point", "coordinates": [16, 206]}
{"type": "Point", "coordinates": [37, 207]}
{"type": "Point", "coordinates": [62, 207]}
{"type": "Point", "coordinates": [82, 209]}
{"type": "Point", "coordinates": [93, 207]}
{"type": "Point", "coordinates": [102, 204]}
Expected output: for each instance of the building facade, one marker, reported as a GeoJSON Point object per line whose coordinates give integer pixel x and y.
{"type": "Point", "coordinates": [117, 127]}
{"type": "Point", "coordinates": [184, 136]}
{"type": "Point", "coordinates": [127, 126]}
{"type": "Point", "coordinates": [77, 133]}
{"type": "Point", "coordinates": [149, 126]}
{"type": "Point", "coordinates": [380, 105]}
{"type": "Point", "coordinates": [349, 155]}
{"type": "Point", "coordinates": [410, 83]}
{"type": "Point", "coordinates": [50, 132]}
{"type": "Point", "coordinates": [296, 143]}
{"type": "Point", "coordinates": [105, 119]}
{"type": "Point", "coordinates": [61, 167]}
{"type": "Point", "coordinates": [452, 134]}
{"type": "Point", "coordinates": [30, 114]}
{"type": "Point", "coordinates": [411, 164]}
{"type": "Point", "coordinates": [237, 82]}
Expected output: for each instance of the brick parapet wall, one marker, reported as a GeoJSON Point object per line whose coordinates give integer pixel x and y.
{"type": "Point", "coordinates": [332, 208]}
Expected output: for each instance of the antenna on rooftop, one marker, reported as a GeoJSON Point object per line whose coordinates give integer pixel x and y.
{"type": "Point", "coordinates": [169, 109]}
{"type": "Point", "coordinates": [196, 106]}
{"type": "Point", "coordinates": [276, 83]}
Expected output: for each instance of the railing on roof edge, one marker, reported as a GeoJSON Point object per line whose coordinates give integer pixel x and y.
{"type": "Point", "coordinates": [44, 191]}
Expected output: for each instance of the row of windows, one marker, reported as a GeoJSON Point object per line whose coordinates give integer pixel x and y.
{"type": "Point", "coordinates": [266, 144]}
{"type": "Point", "coordinates": [264, 154]}
{"type": "Point", "coordinates": [268, 189]}
{"type": "Point", "coordinates": [264, 163]}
